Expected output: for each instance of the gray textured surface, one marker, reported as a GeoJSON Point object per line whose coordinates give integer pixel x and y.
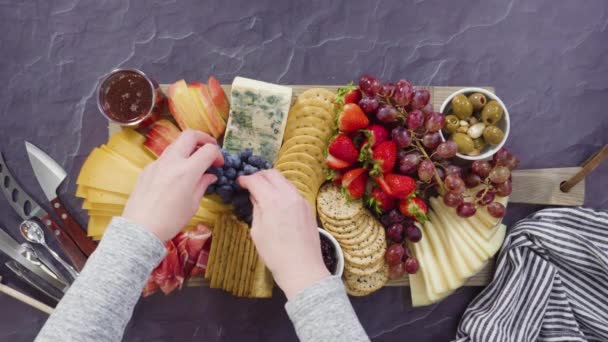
{"type": "Point", "coordinates": [547, 59]}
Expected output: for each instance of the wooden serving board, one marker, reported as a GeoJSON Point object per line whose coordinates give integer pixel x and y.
{"type": "Point", "coordinates": [540, 186]}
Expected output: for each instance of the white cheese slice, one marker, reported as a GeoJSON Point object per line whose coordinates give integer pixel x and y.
{"type": "Point", "coordinates": [465, 230]}
{"type": "Point", "coordinates": [466, 247]}
{"type": "Point", "coordinates": [481, 228]}
{"type": "Point", "coordinates": [440, 250]}
{"type": "Point", "coordinates": [418, 290]}
{"type": "Point", "coordinates": [456, 257]}
{"type": "Point", "coordinates": [435, 284]}
{"type": "Point", "coordinates": [498, 238]}
{"type": "Point", "coordinates": [258, 115]}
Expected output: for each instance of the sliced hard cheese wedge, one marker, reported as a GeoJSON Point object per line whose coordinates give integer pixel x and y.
{"type": "Point", "coordinates": [81, 191]}
{"type": "Point", "coordinates": [467, 231]}
{"type": "Point", "coordinates": [105, 171]}
{"type": "Point", "coordinates": [258, 115]}
{"type": "Point", "coordinates": [474, 261]}
{"type": "Point", "coordinates": [106, 197]}
{"type": "Point", "coordinates": [97, 225]}
{"type": "Point", "coordinates": [110, 208]}
{"type": "Point", "coordinates": [129, 144]}
{"type": "Point", "coordinates": [483, 229]}
{"type": "Point", "coordinates": [435, 284]}
{"type": "Point", "coordinates": [455, 254]}
{"type": "Point", "coordinates": [418, 290]}
{"type": "Point", "coordinates": [440, 251]}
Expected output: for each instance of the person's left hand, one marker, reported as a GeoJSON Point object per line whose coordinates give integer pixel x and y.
{"type": "Point", "coordinates": [169, 190]}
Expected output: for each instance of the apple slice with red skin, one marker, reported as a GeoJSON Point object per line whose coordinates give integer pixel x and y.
{"type": "Point", "coordinates": [218, 97]}
{"type": "Point", "coordinates": [161, 135]}
{"type": "Point", "coordinates": [215, 120]}
{"type": "Point", "coordinates": [186, 108]}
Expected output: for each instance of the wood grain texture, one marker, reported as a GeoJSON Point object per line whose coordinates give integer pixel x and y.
{"type": "Point", "coordinates": [530, 186]}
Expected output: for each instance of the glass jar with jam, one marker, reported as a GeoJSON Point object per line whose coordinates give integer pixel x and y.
{"type": "Point", "coordinates": [130, 98]}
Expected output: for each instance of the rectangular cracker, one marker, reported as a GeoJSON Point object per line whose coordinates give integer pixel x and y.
{"type": "Point", "coordinates": [253, 253]}
{"type": "Point", "coordinates": [215, 241]}
{"type": "Point", "coordinates": [263, 283]}
{"type": "Point", "coordinates": [235, 254]}
{"type": "Point", "coordinates": [247, 259]}
{"type": "Point", "coordinates": [239, 258]}
{"type": "Point", "coordinates": [219, 274]}
{"type": "Point", "coordinates": [231, 248]}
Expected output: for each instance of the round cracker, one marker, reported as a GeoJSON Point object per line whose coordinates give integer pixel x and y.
{"type": "Point", "coordinates": [322, 133]}
{"type": "Point", "coordinates": [336, 205]}
{"type": "Point", "coordinates": [303, 140]}
{"type": "Point", "coordinates": [364, 261]}
{"type": "Point", "coordinates": [322, 94]}
{"type": "Point", "coordinates": [369, 246]}
{"type": "Point", "coordinates": [356, 230]}
{"type": "Point", "coordinates": [300, 111]}
{"type": "Point", "coordinates": [298, 128]}
{"type": "Point", "coordinates": [303, 168]}
{"type": "Point", "coordinates": [362, 285]}
{"type": "Point", "coordinates": [302, 158]}
{"type": "Point", "coordinates": [313, 150]}
{"type": "Point", "coordinates": [369, 233]}
{"type": "Point", "coordinates": [308, 181]}
{"type": "Point", "coordinates": [354, 270]}
{"type": "Point", "coordinates": [345, 227]}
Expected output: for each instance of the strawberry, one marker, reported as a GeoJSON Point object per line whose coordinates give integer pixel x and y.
{"type": "Point", "coordinates": [377, 134]}
{"type": "Point", "coordinates": [384, 157]}
{"type": "Point", "coordinates": [352, 96]}
{"type": "Point", "coordinates": [335, 163]}
{"type": "Point", "coordinates": [380, 202]}
{"type": "Point", "coordinates": [352, 118]}
{"type": "Point", "coordinates": [343, 148]}
{"type": "Point", "coordinates": [397, 186]}
{"type": "Point", "coordinates": [355, 182]}
{"type": "Point", "coordinates": [415, 208]}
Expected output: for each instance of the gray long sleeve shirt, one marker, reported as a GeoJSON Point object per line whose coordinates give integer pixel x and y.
{"type": "Point", "coordinates": [100, 302]}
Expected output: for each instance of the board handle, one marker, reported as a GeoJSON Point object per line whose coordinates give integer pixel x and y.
{"type": "Point", "coordinates": [588, 166]}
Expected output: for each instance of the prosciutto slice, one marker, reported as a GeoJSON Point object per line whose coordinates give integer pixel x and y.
{"type": "Point", "coordinates": [187, 255]}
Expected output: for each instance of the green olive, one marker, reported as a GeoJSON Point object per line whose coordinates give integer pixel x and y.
{"type": "Point", "coordinates": [451, 124]}
{"type": "Point", "coordinates": [491, 113]}
{"type": "Point", "coordinates": [461, 106]}
{"type": "Point", "coordinates": [478, 100]}
{"type": "Point", "coordinates": [464, 142]}
{"type": "Point", "coordinates": [479, 143]}
{"type": "Point", "coordinates": [493, 135]}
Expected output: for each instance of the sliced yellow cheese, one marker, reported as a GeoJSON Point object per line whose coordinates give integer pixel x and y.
{"type": "Point", "coordinates": [97, 225]}
{"type": "Point", "coordinates": [129, 144]}
{"type": "Point", "coordinates": [94, 212]}
{"type": "Point", "coordinates": [474, 261]}
{"type": "Point", "coordinates": [418, 290]}
{"type": "Point", "coordinates": [105, 171]}
{"type": "Point", "coordinates": [464, 229]}
{"type": "Point", "coordinates": [81, 191]}
{"type": "Point", "coordinates": [435, 284]}
{"type": "Point", "coordinates": [106, 197]}
{"type": "Point", "coordinates": [96, 237]}
{"type": "Point", "coordinates": [456, 256]}
{"type": "Point", "coordinates": [439, 248]}
{"type": "Point", "coordinates": [111, 208]}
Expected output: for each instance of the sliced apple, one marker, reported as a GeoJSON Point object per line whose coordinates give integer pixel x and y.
{"type": "Point", "coordinates": [161, 135]}
{"type": "Point", "coordinates": [218, 96]}
{"type": "Point", "coordinates": [214, 119]}
{"type": "Point", "coordinates": [185, 108]}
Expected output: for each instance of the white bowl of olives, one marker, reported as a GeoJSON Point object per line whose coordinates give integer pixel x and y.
{"type": "Point", "coordinates": [477, 121]}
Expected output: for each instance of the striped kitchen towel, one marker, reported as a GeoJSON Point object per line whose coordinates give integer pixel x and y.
{"type": "Point", "coordinates": [551, 282]}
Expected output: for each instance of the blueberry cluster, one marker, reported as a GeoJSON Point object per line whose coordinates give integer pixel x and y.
{"type": "Point", "coordinates": [236, 165]}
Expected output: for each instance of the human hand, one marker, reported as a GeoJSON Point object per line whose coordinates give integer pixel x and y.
{"type": "Point", "coordinates": [169, 190]}
{"type": "Point", "coordinates": [284, 231]}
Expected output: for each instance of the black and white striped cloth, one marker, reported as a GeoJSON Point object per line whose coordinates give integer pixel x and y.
{"type": "Point", "coordinates": [551, 282]}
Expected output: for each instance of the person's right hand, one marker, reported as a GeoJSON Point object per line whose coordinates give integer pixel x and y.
{"type": "Point", "coordinates": [284, 231]}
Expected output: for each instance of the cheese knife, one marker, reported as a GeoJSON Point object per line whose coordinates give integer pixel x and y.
{"type": "Point", "coordinates": [50, 175]}
{"type": "Point", "coordinates": [25, 206]}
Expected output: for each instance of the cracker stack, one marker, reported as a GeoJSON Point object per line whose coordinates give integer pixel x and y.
{"type": "Point", "coordinates": [234, 265]}
{"type": "Point", "coordinates": [310, 124]}
{"type": "Point", "coordinates": [361, 237]}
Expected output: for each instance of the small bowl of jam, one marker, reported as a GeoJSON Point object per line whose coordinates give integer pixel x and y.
{"type": "Point", "coordinates": [129, 98]}
{"type": "Point", "coordinates": [332, 253]}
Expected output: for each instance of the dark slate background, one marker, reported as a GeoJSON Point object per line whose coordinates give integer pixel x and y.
{"type": "Point", "coordinates": [548, 60]}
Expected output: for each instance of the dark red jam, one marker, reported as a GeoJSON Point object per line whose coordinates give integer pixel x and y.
{"type": "Point", "coordinates": [126, 96]}
{"type": "Point", "coordinates": [329, 254]}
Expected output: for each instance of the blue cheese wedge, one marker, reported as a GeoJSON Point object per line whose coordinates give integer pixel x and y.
{"type": "Point", "coordinates": [258, 115]}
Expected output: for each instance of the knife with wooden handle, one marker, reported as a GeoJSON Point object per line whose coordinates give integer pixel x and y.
{"type": "Point", "coordinates": [27, 208]}
{"type": "Point", "coordinates": [50, 175]}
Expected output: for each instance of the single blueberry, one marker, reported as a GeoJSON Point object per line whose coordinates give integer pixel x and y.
{"type": "Point", "coordinates": [230, 173]}
{"type": "Point", "coordinates": [246, 153]}
{"type": "Point", "coordinates": [249, 170]}
{"type": "Point", "coordinates": [222, 180]}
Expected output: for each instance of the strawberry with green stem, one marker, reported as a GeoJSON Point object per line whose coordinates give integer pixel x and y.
{"type": "Point", "coordinates": [354, 182]}
{"type": "Point", "coordinates": [415, 208]}
{"type": "Point", "coordinates": [379, 201]}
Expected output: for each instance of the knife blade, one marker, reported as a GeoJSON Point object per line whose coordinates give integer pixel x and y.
{"type": "Point", "coordinates": [32, 280]}
{"type": "Point", "coordinates": [10, 247]}
{"type": "Point", "coordinates": [50, 175]}
{"type": "Point", "coordinates": [27, 208]}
